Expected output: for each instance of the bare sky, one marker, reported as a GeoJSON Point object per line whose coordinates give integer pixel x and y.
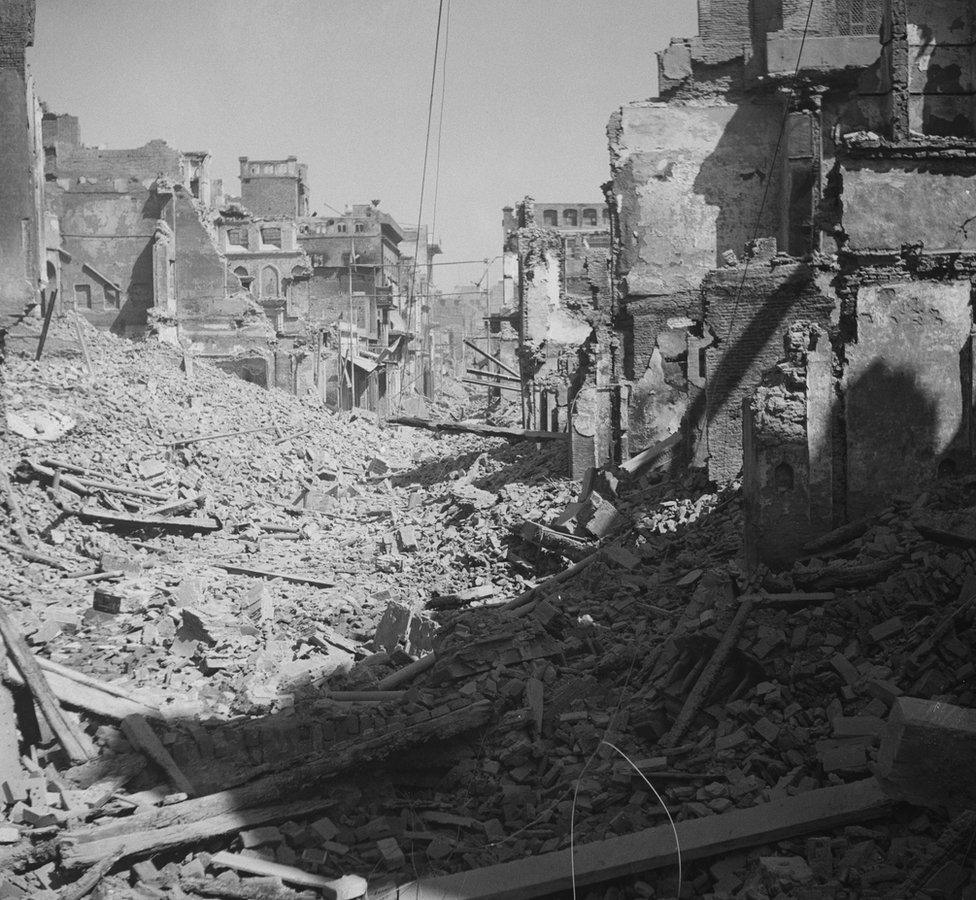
{"type": "Point", "coordinates": [344, 85]}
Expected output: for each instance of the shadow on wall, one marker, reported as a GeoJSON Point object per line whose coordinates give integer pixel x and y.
{"type": "Point", "coordinates": [899, 435]}
{"type": "Point", "coordinates": [733, 177]}
{"type": "Point", "coordinates": [738, 361]}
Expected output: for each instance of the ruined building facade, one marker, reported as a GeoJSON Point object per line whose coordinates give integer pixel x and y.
{"type": "Point", "coordinates": [793, 252]}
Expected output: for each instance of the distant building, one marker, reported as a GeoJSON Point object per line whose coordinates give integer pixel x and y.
{"type": "Point", "coordinates": [274, 187]}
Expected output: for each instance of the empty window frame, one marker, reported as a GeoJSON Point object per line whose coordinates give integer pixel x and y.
{"type": "Point", "coordinates": [237, 237]}
{"type": "Point", "coordinates": [570, 218]}
{"type": "Point", "coordinates": [550, 217]}
{"type": "Point", "coordinates": [112, 297]}
{"type": "Point", "coordinates": [271, 237]}
{"type": "Point", "coordinates": [589, 217]}
{"type": "Point", "coordinates": [83, 296]}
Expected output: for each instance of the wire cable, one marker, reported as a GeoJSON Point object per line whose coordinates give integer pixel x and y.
{"type": "Point", "coordinates": [440, 118]}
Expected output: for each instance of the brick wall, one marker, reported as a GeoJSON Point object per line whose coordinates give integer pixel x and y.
{"type": "Point", "coordinates": [748, 341]}
{"type": "Point", "coordinates": [140, 163]}
{"type": "Point", "coordinates": [270, 196]}
{"type": "Point", "coordinates": [60, 129]}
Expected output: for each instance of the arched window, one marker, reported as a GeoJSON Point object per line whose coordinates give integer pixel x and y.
{"type": "Point", "coordinates": [783, 477]}
{"type": "Point", "coordinates": [269, 282]}
{"type": "Point", "coordinates": [570, 218]}
{"type": "Point", "coordinates": [240, 272]}
{"type": "Point", "coordinates": [550, 217]}
{"type": "Point", "coordinates": [589, 218]}
{"type": "Point", "coordinates": [297, 272]}
{"type": "Point", "coordinates": [360, 227]}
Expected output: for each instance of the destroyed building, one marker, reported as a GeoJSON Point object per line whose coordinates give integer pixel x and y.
{"type": "Point", "coordinates": [818, 191]}
{"type": "Point", "coordinates": [555, 315]}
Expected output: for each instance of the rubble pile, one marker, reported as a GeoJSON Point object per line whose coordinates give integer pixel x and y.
{"type": "Point", "coordinates": [332, 654]}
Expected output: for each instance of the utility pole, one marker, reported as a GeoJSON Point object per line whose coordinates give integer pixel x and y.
{"type": "Point", "coordinates": [352, 355]}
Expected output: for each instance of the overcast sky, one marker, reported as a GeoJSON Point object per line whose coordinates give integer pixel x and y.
{"type": "Point", "coordinates": [344, 85]}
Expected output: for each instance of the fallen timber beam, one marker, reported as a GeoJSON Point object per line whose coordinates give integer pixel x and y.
{"type": "Point", "coordinates": [77, 690]}
{"type": "Point", "coordinates": [346, 888]}
{"type": "Point", "coordinates": [643, 459]}
{"type": "Point", "coordinates": [654, 848]}
{"type": "Point", "coordinates": [34, 556]}
{"type": "Point", "coordinates": [494, 359]}
{"type": "Point", "coordinates": [134, 520]}
{"type": "Point", "coordinates": [185, 442]}
{"type": "Point", "coordinates": [267, 573]}
{"type": "Point", "coordinates": [244, 806]}
{"type": "Point", "coordinates": [511, 434]}
{"type": "Point", "coordinates": [74, 741]}
{"type": "Point", "coordinates": [492, 384]}
{"type": "Point", "coordinates": [486, 374]}
{"type": "Point", "coordinates": [532, 593]}
{"type": "Point", "coordinates": [96, 484]}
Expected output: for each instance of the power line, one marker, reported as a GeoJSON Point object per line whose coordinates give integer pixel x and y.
{"type": "Point", "coordinates": [430, 117]}
{"type": "Point", "coordinates": [440, 117]}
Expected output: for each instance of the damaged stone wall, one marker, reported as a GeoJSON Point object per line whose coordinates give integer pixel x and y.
{"type": "Point", "coordinates": [21, 218]}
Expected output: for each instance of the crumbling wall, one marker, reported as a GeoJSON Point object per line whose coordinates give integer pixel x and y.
{"type": "Point", "coordinates": [747, 314]}
{"type": "Point", "coordinates": [776, 468]}
{"type": "Point", "coordinates": [691, 181]}
{"type": "Point", "coordinates": [20, 182]}
{"type": "Point", "coordinates": [908, 388]}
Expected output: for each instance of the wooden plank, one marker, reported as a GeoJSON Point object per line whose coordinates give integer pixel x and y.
{"type": "Point", "coordinates": [34, 556]}
{"type": "Point", "coordinates": [72, 739]}
{"type": "Point", "coordinates": [511, 434]}
{"type": "Point", "coordinates": [640, 460]}
{"type": "Point", "coordinates": [133, 520]}
{"type": "Point", "coordinates": [77, 690]}
{"type": "Point", "coordinates": [348, 887]}
{"type": "Point", "coordinates": [243, 806]}
{"type": "Point", "coordinates": [268, 573]}
{"type": "Point", "coordinates": [494, 359]}
{"type": "Point", "coordinates": [486, 374]}
{"type": "Point", "coordinates": [143, 738]}
{"type": "Point", "coordinates": [547, 873]}
{"type": "Point", "coordinates": [185, 442]}
{"type": "Point", "coordinates": [488, 384]}
{"type": "Point", "coordinates": [407, 673]}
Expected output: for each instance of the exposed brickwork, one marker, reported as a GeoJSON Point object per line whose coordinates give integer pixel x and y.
{"type": "Point", "coordinates": [749, 340]}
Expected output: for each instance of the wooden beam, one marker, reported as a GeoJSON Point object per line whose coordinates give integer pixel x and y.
{"type": "Point", "coordinates": [72, 738]}
{"type": "Point", "coordinates": [548, 873]}
{"type": "Point", "coordinates": [185, 442]}
{"type": "Point", "coordinates": [140, 734]}
{"type": "Point", "coordinates": [348, 887]}
{"type": "Point", "coordinates": [511, 434]}
{"type": "Point", "coordinates": [494, 359]}
{"type": "Point", "coordinates": [134, 520]}
{"type": "Point", "coordinates": [492, 385]}
{"type": "Point", "coordinates": [268, 573]}
{"type": "Point", "coordinates": [497, 375]}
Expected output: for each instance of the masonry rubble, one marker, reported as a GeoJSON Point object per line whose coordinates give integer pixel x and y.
{"type": "Point", "coordinates": [254, 645]}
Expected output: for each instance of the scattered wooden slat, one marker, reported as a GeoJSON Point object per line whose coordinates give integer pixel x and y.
{"type": "Point", "coordinates": [98, 484]}
{"type": "Point", "coordinates": [72, 739]}
{"type": "Point", "coordinates": [532, 593]}
{"type": "Point", "coordinates": [496, 375]}
{"type": "Point", "coordinates": [13, 506]}
{"type": "Point", "coordinates": [549, 873]}
{"type": "Point", "coordinates": [706, 681]}
{"type": "Point", "coordinates": [97, 698]}
{"type": "Point", "coordinates": [493, 385]}
{"type": "Point", "coordinates": [794, 599]}
{"type": "Point", "coordinates": [34, 556]}
{"type": "Point", "coordinates": [347, 888]}
{"type": "Point", "coordinates": [142, 737]}
{"type": "Point", "coordinates": [89, 881]}
{"type": "Point", "coordinates": [511, 434]}
{"type": "Point", "coordinates": [243, 806]}
{"type": "Point", "coordinates": [268, 573]}
{"type": "Point", "coordinates": [134, 520]}
{"type": "Point", "coordinates": [185, 442]}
